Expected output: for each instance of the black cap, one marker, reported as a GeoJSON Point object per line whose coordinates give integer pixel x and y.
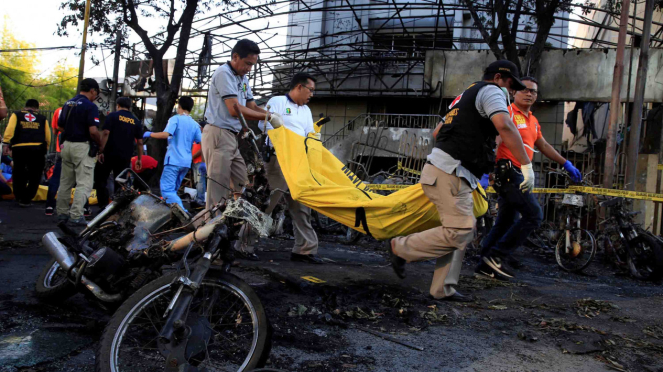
{"type": "Point", "coordinates": [504, 66]}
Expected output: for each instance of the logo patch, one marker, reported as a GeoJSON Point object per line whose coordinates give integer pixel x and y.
{"type": "Point", "coordinates": [244, 87]}
{"type": "Point", "coordinates": [288, 111]}
{"type": "Point", "coordinates": [522, 126]}
{"type": "Point", "coordinates": [96, 120]}
{"type": "Point", "coordinates": [456, 100]}
{"type": "Point", "coordinates": [520, 120]}
{"type": "Point", "coordinates": [30, 117]}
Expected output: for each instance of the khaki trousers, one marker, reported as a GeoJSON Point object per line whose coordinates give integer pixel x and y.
{"type": "Point", "coordinates": [306, 241]}
{"type": "Point", "coordinates": [225, 164]}
{"type": "Point", "coordinates": [78, 170]}
{"type": "Point", "coordinates": [452, 197]}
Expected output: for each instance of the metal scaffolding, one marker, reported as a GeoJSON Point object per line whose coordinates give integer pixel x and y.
{"type": "Point", "coordinates": [382, 54]}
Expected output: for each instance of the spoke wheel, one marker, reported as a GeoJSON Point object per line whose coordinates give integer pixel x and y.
{"type": "Point", "coordinates": [645, 258]}
{"type": "Point", "coordinates": [52, 284]}
{"type": "Point", "coordinates": [233, 333]}
{"type": "Point", "coordinates": [580, 253]}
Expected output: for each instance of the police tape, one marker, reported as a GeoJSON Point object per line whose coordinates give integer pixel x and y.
{"type": "Point", "coordinates": [409, 170]}
{"type": "Point", "coordinates": [649, 196]}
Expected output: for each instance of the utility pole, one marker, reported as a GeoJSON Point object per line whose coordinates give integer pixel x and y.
{"type": "Point", "coordinates": [615, 103]}
{"type": "Point", "coordinates": [116, 68]}
{"type": "Point", "coordinates": [81, 67]}
{"type": "Point", "coordinates": [638, 100]}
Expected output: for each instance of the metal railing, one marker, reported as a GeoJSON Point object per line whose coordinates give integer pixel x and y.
{"type": "Point", "coordinates": [382, 121]}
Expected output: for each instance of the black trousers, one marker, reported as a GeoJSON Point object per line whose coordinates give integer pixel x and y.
{"type": "Point", "coordinates": [28, 168]}
{"type": "Point", "coordinates": [101, 173]}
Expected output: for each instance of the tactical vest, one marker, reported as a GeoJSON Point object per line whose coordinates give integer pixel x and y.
{"type": "Point", "coordinates": [466, 135]}
{"type": "Point", "coordinates": [30, 128]}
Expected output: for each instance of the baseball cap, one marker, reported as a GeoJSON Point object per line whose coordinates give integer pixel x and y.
{"type": "Point", "coordinates": [506, 67]}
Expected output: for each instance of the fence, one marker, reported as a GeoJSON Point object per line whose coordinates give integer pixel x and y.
{"type": "Point", "coordinates": [382, 121]}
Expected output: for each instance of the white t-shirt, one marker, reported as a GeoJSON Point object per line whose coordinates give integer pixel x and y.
{"type": "Point", "coordinates": [296, 118]}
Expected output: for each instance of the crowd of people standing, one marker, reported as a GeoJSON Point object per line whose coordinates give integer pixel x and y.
{"type": "Point", "coordinates": [465, 151]}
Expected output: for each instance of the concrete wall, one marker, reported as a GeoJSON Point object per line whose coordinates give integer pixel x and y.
{"type": "Point", "coordinates": [565, 75]}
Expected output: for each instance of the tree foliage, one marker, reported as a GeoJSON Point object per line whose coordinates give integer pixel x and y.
{"type": "Point", "coordinates": [21, 78]}
{"type": "Point", "coordinates": [175, 18]}
{"type": "Point", "coordinates": [500, 21]}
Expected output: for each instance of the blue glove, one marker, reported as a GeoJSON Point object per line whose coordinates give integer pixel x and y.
{"type": "Point", "coordinates": [485, 181]}
{"type": "Point", "coordinates": [575, 174]}
{"type": "Point", "coordinates": [147, 134]}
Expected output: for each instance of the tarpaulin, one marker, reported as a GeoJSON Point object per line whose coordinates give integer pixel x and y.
{"type": "Point", "coordinates": [317, 179]}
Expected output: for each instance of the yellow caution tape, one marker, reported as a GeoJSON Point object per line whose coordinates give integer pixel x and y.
{"type": "Point", "coordinates": [619, 193]}
{"type": "Point", "coordinates": [313, 279]}
{"type": "Point", "coordinates": [639, 195]}
{"type": "Point", "coordinates": [409, 170]}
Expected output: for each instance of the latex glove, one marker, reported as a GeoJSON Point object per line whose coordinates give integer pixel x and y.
{"type": "Point", "coordinates": [315, 135]}
{"type": "Point", "coordinates": [485, 181]}
{"type": "Point", "coordinates": [575, 174]}
{"type": "Point", "coordinates": [147, 134]}
{"type": "Point", "coordinates": [276, 120]}
{"type": "Point", "coordinates": [528, 174]}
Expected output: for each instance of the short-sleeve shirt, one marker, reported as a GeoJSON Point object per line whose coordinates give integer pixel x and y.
{"type": "Point", "coordinates": [84, 114]}
{"type": "Point", "coordinates": [125, 129]}
{"type": "Point", "coordinates": [490, 101]}
{"type": "Point", "coordinates": [530, 131]}
{"type": "Point", "coordinates": [184, 131]}
{"type": "Point", "coordinates": [296, 118]}
{"type": "Point", "coordinates": [226, 84]}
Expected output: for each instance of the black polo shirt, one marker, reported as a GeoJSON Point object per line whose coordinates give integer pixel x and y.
{"type": "Point", "coordinates": [84, 114]}
{"type": "Point", "coordinates": [125, 129]}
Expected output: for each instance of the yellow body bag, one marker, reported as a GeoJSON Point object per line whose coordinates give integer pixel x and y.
{"type": "Point", "coordinates": [317, 179]}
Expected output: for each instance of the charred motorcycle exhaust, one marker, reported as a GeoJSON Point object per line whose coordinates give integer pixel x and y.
{"type": "Point", "coordinates": [67, 260]}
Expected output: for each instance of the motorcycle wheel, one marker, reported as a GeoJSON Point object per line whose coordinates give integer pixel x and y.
{"type": "Point", "coordinates": [52, 284]}
{"type": "Point", "coordinates": [572, 261]}
{"type": "Point", "coordinates": [645, 258]}
{"type": "Point", "coordinates": [241, 335]}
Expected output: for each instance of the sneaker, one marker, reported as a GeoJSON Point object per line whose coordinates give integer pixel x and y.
{"type": "Point", "coordinates": [499, 266]}
{"type": "Point", "coordinates": [87, 212]}
{"type": "Point", "coordinates": [78, 222]}
{"type": "Point", "coordinates": [483, 271]}
{"type": "Point", "coordinates": [50, 211]}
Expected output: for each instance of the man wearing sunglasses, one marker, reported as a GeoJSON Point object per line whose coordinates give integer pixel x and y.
{"type": "Point", "coordinates": [509, 231]}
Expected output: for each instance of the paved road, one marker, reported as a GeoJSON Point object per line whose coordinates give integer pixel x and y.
{"type": "Point", "coordinates": [542, 322]}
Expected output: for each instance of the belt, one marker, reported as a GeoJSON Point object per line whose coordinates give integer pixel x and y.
{"type": "Point", "coordinates": [231, 131]}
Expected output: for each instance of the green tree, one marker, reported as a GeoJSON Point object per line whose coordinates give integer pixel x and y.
{"type": "Point", "coordinates": [21, 79]}
{"type": "Point", "coordinates": [109, 17]}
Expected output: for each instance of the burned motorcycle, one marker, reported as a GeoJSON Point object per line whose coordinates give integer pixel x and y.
{"type": "Point", "coordinates": [201, 317]}
{"type": "Point", "coordinates": [110, 259]}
